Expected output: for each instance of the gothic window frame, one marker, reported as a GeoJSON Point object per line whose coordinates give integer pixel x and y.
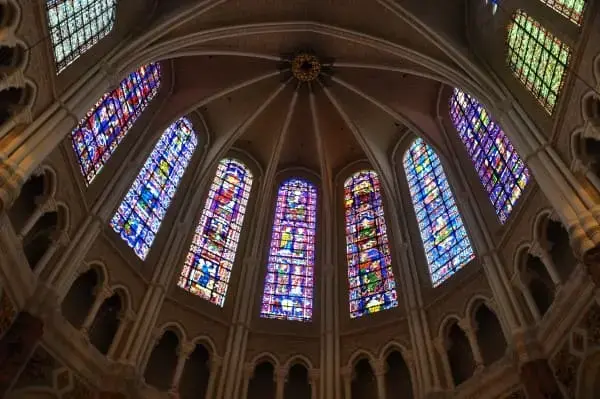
{"type": "Point", "coordinates": [574, 13]}
{"type": "Point", "coordinates": [438, 273]}
{"type": "Point", "coordinates": [304, 273]}
{"type": "Point", "coordinates": [151, 182]}
{"type": "Point", "coordinates": [98, 135]}
{"type": "Point", "coordinates": [217, 255]}
{"type": "Point", "coordinates": [68, 46]}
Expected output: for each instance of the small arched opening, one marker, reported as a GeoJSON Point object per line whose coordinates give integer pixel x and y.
{"type": "Point", "coordinates": [105, 325]}
{"type": "Point", "coordinates": [162, 362]}
{"type": "Point", "coordinates": [196, 374]}
{"type": "Point", "coordinates": [297, 385]}
{"type": "Point", "coordinates": [560, 249]}
{"type": "Point", "coordinates": [490, 337]}
{"type": "Point", "coordinates": [32, 194]}
{"type": "Point", "coordinates": [80, 298]}
{"type": "Point", "coordinates": [539, 283]}
{"type": "Point", "coordinates": [364, 384]}
{"type": "Point", "coordinates": [460, 356]}
{"type": "Point", "coordinates": [397, 378]}
{"type": "Point", "coordinates": [41, 237]}
{"type": "Point", "coordinates": [262, 383]}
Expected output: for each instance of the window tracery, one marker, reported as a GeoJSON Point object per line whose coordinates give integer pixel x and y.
{"type": "Point", "coordinates": [207, 268]}
{"type": "Point", "coordinates": [501, 170]}
{"type": "Point", "coordinates": [370, 275]}
{"type": "Point", "coordinates": [140, 214]}
{"type": "Point", "coordinates": [537, 58]}
{"type": "Point", "coordinates": [445, 239]}
{"type": "Point", "coordinates": [76, 26]}
{"type": "Point", "coordinates": [97, 136]}
{"type": "Point", "coordinates": [571, 9]}
{"type": "Point", "coordinates": [288, 291]}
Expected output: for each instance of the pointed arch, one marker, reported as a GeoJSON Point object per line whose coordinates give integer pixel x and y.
{"type": "Point", "coordinates": [140, 214]}
{"type": "Point", "coordinates": [370, 275]}
{"type": "Point", "coordinates": [288, 292]}
{"type": "Point", "coordinates": [501, 170]}
{"type": "Point", "coordinates": [573, 10]}
{"type": "Point", "coordinates": [76, 26]}
{"type": "Point", "coordinates": [445, 240]}
{"type": "Point", "coordinates": [105, 125]}
{"type": "Point", "coordinates": [537, 58]}
{"type": "Point", "coordinates": [207, 268]}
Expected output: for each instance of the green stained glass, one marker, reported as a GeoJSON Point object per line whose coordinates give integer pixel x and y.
{"type": "Point", "coordinates": [571, 9]}
{"type": "Point", "coordinates": [537, 58]}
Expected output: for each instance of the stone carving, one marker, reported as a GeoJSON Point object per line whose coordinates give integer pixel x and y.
{"type": "Point", "coordinates": [7, 312]}
{"type": "Point", "coordinates": [518, 394]}
{"type": "Point", "coordinates": [80, 391]}
{"type": "Point", "coordinates": [38, 371]}
{"type": "Point", "coordinates": [565, 366]}
{"type": "Point", "coordinates": [591, 323]}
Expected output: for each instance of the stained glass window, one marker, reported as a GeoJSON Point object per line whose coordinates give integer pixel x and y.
{"type": "Point", "coordinates": [141, 212]}
{"type": "Point", "coordinates": [537, 58]}
{"type": "Point", "coordinates": [501, 171]}
{"type": "Point", "coordinates": [288, 290]}
{"type": "Point", "coordinates": [97, 136]}
{"type": "Point", "coordinates": [75, 26]}
{"type": "Point", "coordinates": [571, 9]}
{"type": "Point", "coordinates": [445, 240]}
{"type": "Point", "coordinates": [494, 4]}
{"type": "Point", "coordinates": [207, 267]}
{"type": "Point", "coordinates": [370, 275]}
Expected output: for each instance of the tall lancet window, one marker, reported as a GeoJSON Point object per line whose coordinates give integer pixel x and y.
{"type": "Point", "coordinates": [571, 9]}
{"type": "Point", "coordinates": [370, 275]}
{"type": "Point", "coordinates": [501, 171]}
{"type": "Point", "coordinates": [288, 292]}
{"type": "Point", "coordinates": [75, 26]}
{"type": "Point", "coordinates": [141, 212]}
{"type": "Point", "coordinates": [445, 240]}
{"type": "Point", "coordinates": [97, 136]}
{"type": "Point", "coordinates": [537, 58]}
{"type": "Point", "coordinates": [207, 267]}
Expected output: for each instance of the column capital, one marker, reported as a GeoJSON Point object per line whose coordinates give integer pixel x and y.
{"type": "Point", "coordinates": [186, 349]}
{"type": "Point", "coordinates": [248, 371]}
{"type": "Point", "coordinates": [467, 326]}
{"type": "Point", "coordinates": [347, 372]}
{"type": "Point", "coordinates": [216, 362]}
{"type": "Point", "coordinates": [314, 375]}
{"type": "Point", "coordinates": [380, 367]}
{"type": "Point", "coordinates": [538, 250]}
{"type": "Point", "coordinates": [103, 292]}
{"type": "Point", "coordinates": [441, 344]}
{"type": "Point", "coordinates": [280, 373]}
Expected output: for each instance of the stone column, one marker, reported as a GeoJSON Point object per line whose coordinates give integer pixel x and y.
{"type": "Point", "coordinates": [471, 333]}
{"type": "Point", "coordinates": [59, 239]}
{"type": "Point", "coordinates": [16, 347]}
{"type": "Point", "coordinates": [379, 369]}
{"type": "Point", "coordinates": [215, 366]}
{"type": "Point", "coordinates": [540, 252]}
{"type": "Point", "coordinates": [347, 375]}
{"type": "Point", "coordinates": [518, 282]}
{"type": "Point", "coordinates": [184, 352]}
{"type": "Point", "coordinates": [579, 167]}
{"type": "Point", "coordinates": [314, 375]}
{"type": "Point", "coordinates": [125, 319]}
{"type": "Point", "coordinates": [102, 294]}
{"type": "Point", "coordinates": [248, 372]}
{"type": "Point", "coordinates": [43, 205]}
{"type": "Point", "coordinates": [280, 380]}
{"type": "Point", "coordinates": [441, 346]}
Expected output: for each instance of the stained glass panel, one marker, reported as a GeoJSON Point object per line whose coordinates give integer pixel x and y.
{"type": "Point", "coordinates": [75, 26]}
{"type": "Point", "coordinates": [97, 136]}
{"type": "Point", "coordinates": [288, 292]}
{"type": "Point", "coordinates": [501, 170]}
{"type": "Point", "coordinates": [207, 267]}
{"type": "Point", "coordinates": [537, 58]}
{"type": "Point", "coordinates": [141, 212]}
{"type": "Point", "coordinates": [571, 9]}
{"type": "Point", "coordinates": [445, 240]}
{"type": "Point", "coordinates": [370, 276]}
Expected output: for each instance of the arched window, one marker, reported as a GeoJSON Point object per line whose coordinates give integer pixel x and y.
{"type": "Point", "coordinates": [140, 215]}
{"type": "Point", "coordinates": [445, 240]}
{"type": "Point", "coordinates": [288, 292]}
{"type": "Point", "coordinates": [370, 275]}
{"type": "Point", "coordinates": [207, 268]}
{"type": "Point", "coordinates": [75, 26]}
{"type": "Point", "coordinates": [97, 136]}
{"type": "Point", "coordinates": [501, 170]}
{"type": "Point", "coordinates": [537, 58]}
{"type": "Point", "coordinates": [571, 9]}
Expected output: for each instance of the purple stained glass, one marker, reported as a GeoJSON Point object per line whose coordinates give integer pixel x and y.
{"type": "Point", "coordinates": [445, 240]}
{"type": "Point", "coordinates": [288, 292]}
{"type": "Point", "coordinates": [97, 136]}
{"type": "Point", "coordinates": [141, 212]}
{"type": "Point", "coordinates": [370, 276]}
{"type": "Point", "coordinates": [500, 168]}
{"type": "Point", "coordinates": [208, 265]}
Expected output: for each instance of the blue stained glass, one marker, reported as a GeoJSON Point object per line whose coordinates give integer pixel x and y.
{"type": "Point", "coordinates": [502, 172]}
{"type": "Point", "coordinates": [97, 136]}
{"type": "Point", "coordinates": [138, 218]}
{"type": "Point", "coordinates": [208, 265]}
{"type": "Point", "coordinates": [288, 292]}
{"type": "Point", "coordinates": [370, 276]}
{"type": "Point", "coordinates": [445, 240]}
{"type": "Point", "coordinates": [75, 26]}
